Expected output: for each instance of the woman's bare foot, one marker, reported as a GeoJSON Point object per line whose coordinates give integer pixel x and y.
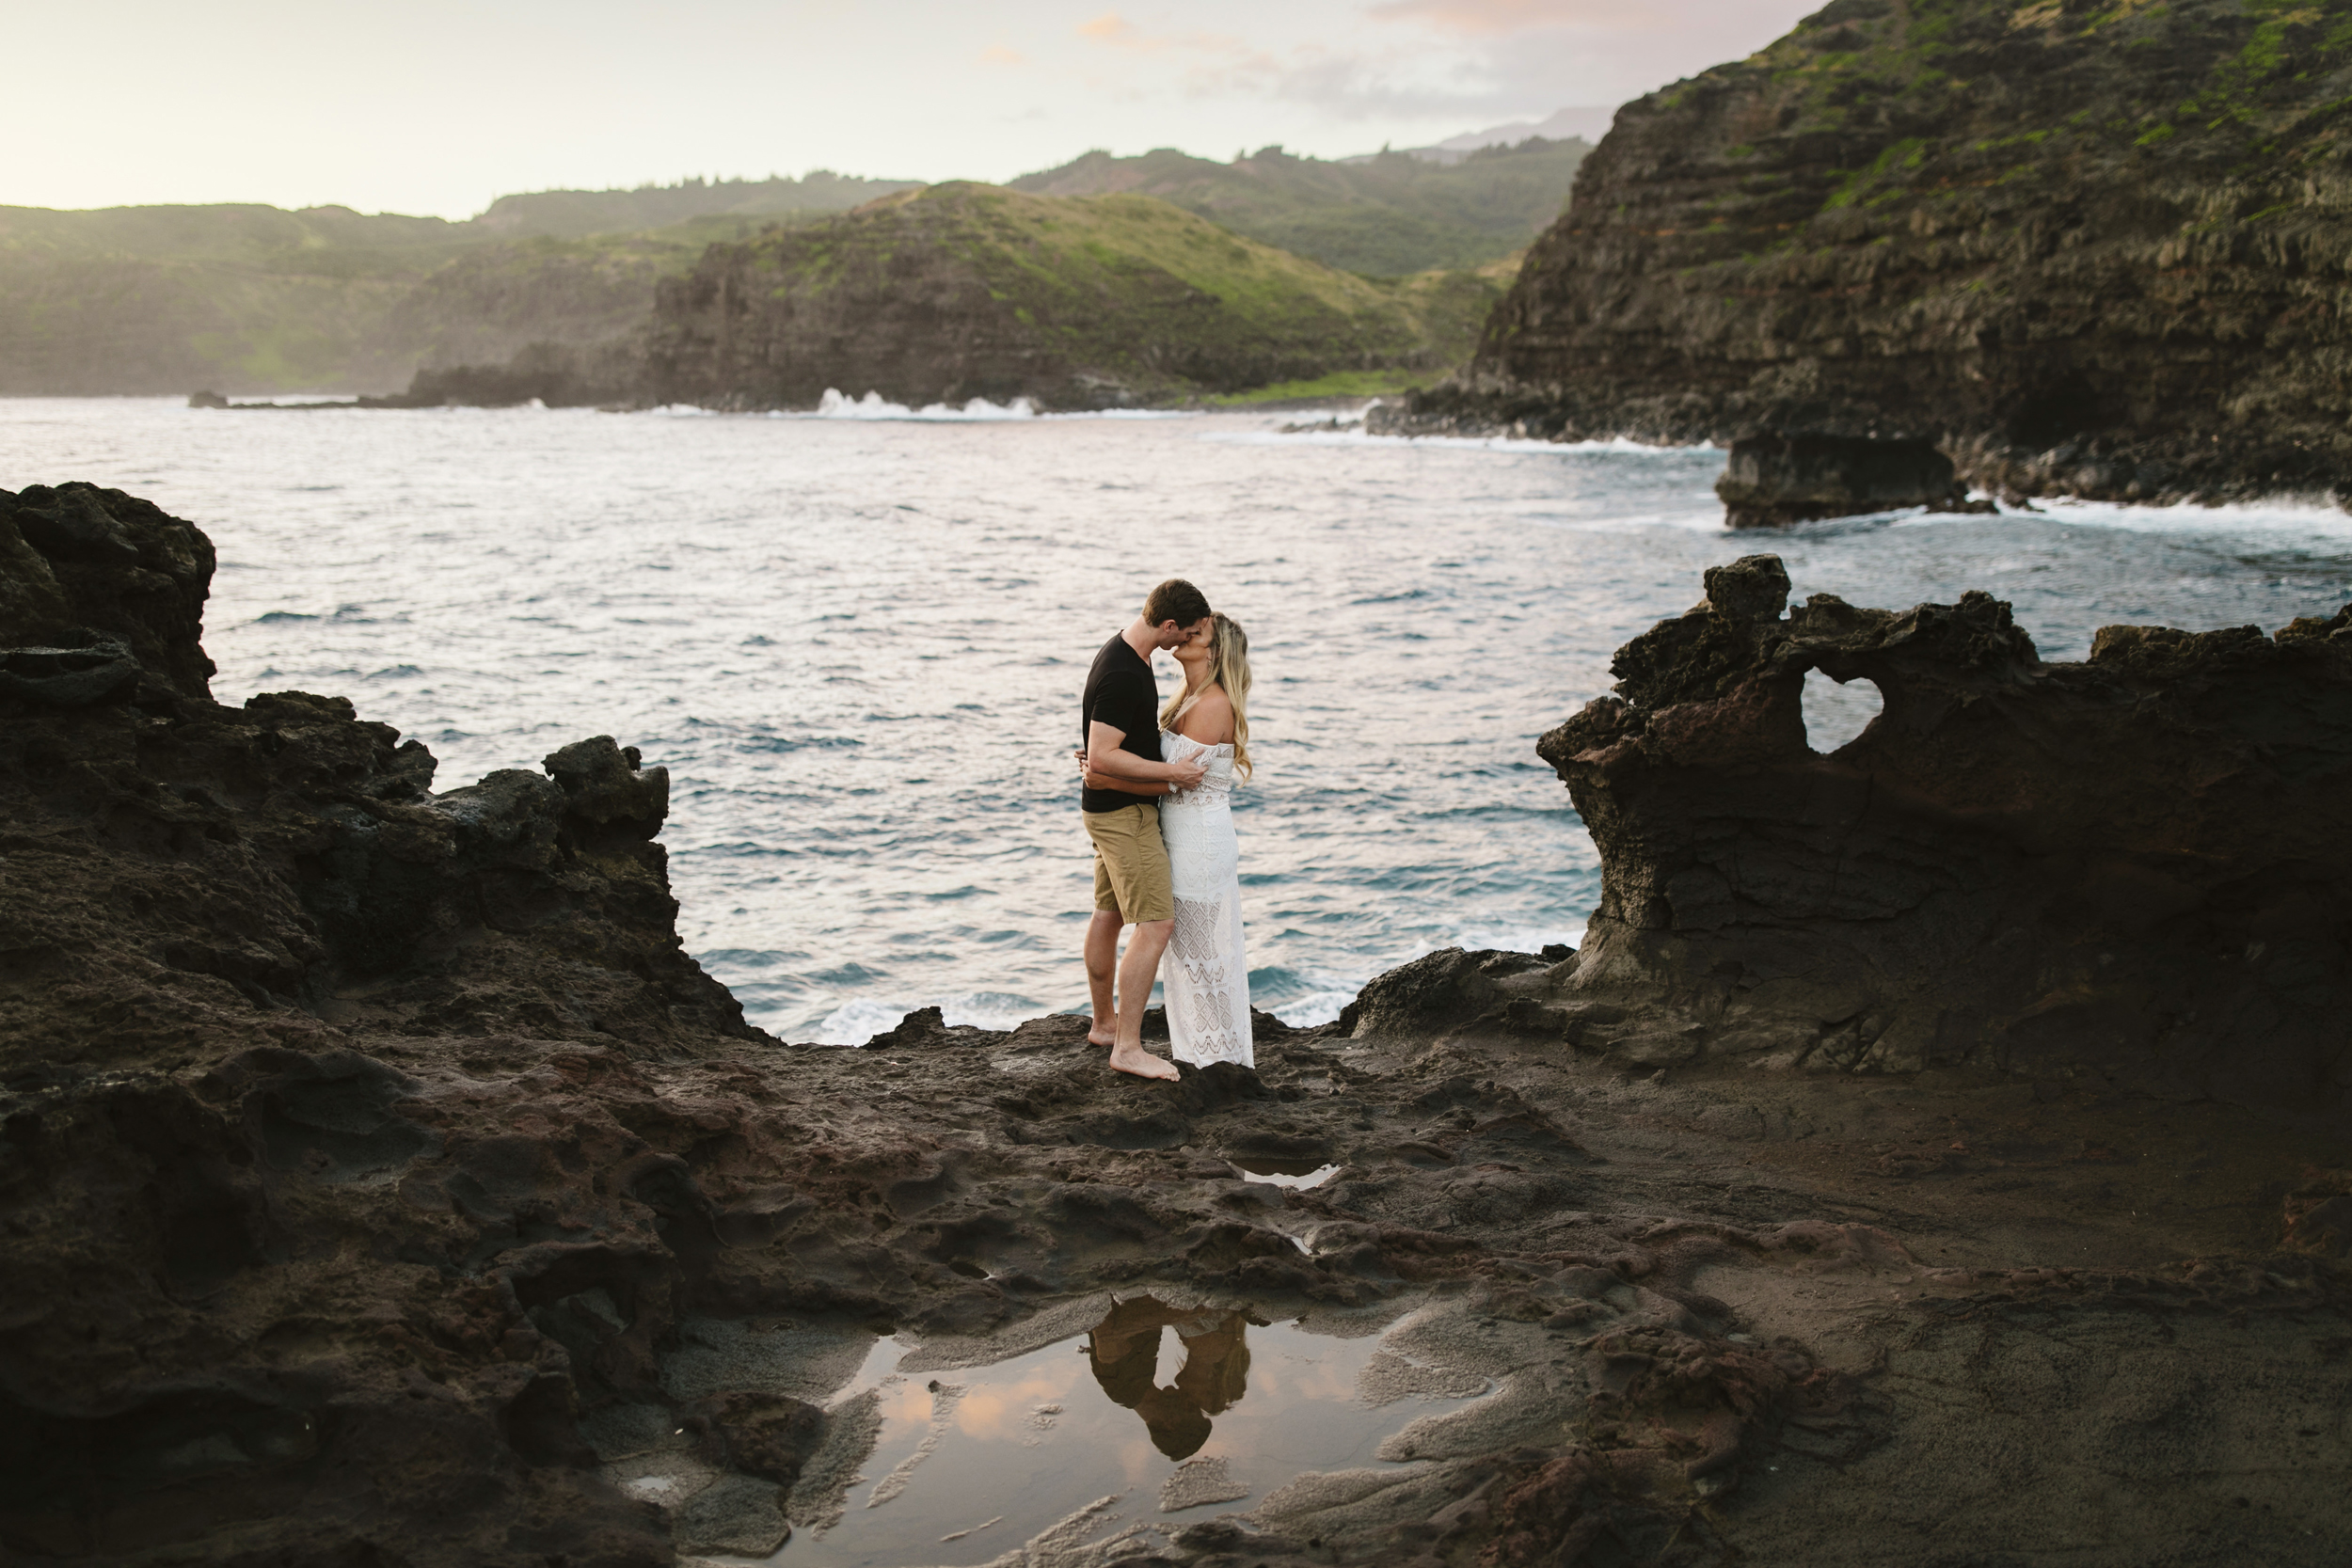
{"type": "Point", "coordinates": [1134, 1059]}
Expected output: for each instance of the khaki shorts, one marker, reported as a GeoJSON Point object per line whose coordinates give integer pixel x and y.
{"type": "Point", "coordinates": [1131, 864]}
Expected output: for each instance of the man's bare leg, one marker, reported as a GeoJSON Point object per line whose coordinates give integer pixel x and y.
{"type": "Point", "coordinates": [1137, 972]}
{"type": "Point", "coordinates": [1102, 964]}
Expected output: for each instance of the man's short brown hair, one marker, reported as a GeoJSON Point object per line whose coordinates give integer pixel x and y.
{"type": "Point", "coordinates": [1175, 600]}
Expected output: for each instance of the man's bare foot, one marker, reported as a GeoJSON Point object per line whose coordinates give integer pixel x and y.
{"type": "Point", "coordinates": [1134, 1058]}
{"type": "Point", "coordinates": [1096, 1037]}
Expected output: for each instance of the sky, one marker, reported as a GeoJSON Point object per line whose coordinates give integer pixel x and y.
{"type": "Point", "coordinates": [437, 106]}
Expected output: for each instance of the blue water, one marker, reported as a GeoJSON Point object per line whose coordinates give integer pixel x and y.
{"type": "Point", "coordinates": [856, 642]}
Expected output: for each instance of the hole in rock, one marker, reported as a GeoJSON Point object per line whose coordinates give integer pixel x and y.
{"type": "Point", "coordinates": [1836, 715]}
{"type": "Point", "coordinates": [1096, 1420]}
{"type": "Point", "coordinates": [1294, 1174]}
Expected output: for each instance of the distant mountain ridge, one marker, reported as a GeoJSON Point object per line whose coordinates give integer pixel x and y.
{"type": "Point", "coordinates": [1582, 123]}
{"type": "Point", "coordinates": [572, 214]}
{"type": "Point", "coordinates": [1387, 215]}
{"type": "Point", "coordinates": [253, 300]}
{"type": "Point", "coordinates": [960, 291]}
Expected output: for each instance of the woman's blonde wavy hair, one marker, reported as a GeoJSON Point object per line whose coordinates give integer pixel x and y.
{"type": "Point", "coordinates": [1229, 668]}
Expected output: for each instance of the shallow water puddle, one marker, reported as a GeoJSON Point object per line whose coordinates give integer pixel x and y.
{"type": "Point", "coordinates": [1160, 1408]}
{"type": "Point", "coordinates": [1298, 1175]}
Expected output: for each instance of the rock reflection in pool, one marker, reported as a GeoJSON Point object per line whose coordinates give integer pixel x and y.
{"type": "Point", "coordinates": [971, 1462]}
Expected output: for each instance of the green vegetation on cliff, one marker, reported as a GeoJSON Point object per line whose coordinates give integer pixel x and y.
{"type": "Point", "coordinates": [558, 287]}
{"type": "Point", "coordinates": [963, 291]}
{"type": "Point", "coordinates": [254, 299]}
{"type": "Point", "coordinates": [2086, 246]}
{"type": "Point", "coordinates": [1385, 215]}
{"type": "Point", "coordinates": [571, 214]}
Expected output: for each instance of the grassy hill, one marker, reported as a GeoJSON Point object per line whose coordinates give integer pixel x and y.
{"type": "Point", "coordinates": [252, 300]}
{"type": "Point", "coordinates": [1387, 215]}
{"type": "Point", "coordinates": [571, 214]}
{"type": "Point", "coordinates": [962, 291]}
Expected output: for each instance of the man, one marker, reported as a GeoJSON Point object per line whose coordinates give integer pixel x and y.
{"type": "Point", "coordinates": [1120, 725]}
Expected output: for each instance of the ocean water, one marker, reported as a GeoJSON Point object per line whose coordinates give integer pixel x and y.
{"type": "Point", "coordinates": [856, 639]}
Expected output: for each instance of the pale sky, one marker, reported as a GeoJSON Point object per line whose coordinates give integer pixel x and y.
{"type": "Point", "coordinates": [436, 106]}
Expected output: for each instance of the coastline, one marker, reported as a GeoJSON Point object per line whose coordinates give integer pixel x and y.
{"type": "Point", "coordinates": [393, 1213]}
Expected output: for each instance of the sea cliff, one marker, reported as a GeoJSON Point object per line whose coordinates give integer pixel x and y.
{"type": "Point", "coordinates": [2084, 248]}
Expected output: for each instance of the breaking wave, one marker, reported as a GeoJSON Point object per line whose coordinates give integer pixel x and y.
{"type": "Point", "coordinates": [835, 405]}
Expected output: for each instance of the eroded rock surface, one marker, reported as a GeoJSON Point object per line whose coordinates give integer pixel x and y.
{"type": "Point", "coordinates": [2129, 867]}
{"type": "Point", "coordinates": [1772, 480]}
{"type": "Point", "coordinates": [379, 1185]}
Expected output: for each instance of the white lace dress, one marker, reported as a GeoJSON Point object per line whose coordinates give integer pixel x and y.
{"type": "Point", "coordinates": [1206, 970]}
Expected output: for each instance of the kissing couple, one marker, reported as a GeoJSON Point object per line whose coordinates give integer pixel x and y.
{"type": "Point", "coordinates": [1156, 784]}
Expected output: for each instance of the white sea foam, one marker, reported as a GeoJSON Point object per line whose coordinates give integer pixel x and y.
{"type": "Point", "coordinates": [2283, 515]}
{"type": "Point", "coordinates": [1127, 414]}
{"type": "Point", "coordinates": [856, 1022]}
{"type": "Point", "coordinates": [1354, 435]}
{"type": "Point", "coordinates": [1316, 1007]}
{"type": "Point", "coordinates": [834, 404]}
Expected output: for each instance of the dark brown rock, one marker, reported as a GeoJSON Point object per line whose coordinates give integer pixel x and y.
{"type": "Point", "coordinates": [1772, 480]}
{"type": "Point", "coordinates": [2123, 866]}
{"type": "Point", "coordinates": [1434, 992]}
{"type": "Point", "coordinates": [372, 1159]}
{"type": "Point", "coordinates": [80, 565]}
{"type": "Point", "coordinates": [2079, 250]}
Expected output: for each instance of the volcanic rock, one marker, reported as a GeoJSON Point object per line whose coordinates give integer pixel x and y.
{"type": "Point", "coordinates": [2078, 248]}
{"type": "Point", "coordinates": [381, 1185]}
{"type": "Point", "coordinates": [2126, 866]}
{"type": "Point", "coordinates": [1793, 478]}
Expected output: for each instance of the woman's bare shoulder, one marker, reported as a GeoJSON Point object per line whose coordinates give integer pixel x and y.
{"type": "Point", "coordinates": [1210, 719]}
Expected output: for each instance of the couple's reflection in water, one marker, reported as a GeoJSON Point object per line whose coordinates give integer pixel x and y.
{"type": "Point", "coordinates": [1124, 1349]}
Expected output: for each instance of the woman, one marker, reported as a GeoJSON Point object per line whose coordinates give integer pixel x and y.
{"type": "Point", "coordinates": [1207, 971]}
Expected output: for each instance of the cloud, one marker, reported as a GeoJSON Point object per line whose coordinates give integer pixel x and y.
{"type": "Point", "coordinates": [1429, 61]}
{"type": "Point", "coordinates": [1499, 59]}
{"type": "Point", "coordinates": [1494, 18]}
{"type": "Point", "coordinates": [1115, 30]}
{"type": "Point", "coordinates": [1118, 33]}
{"type": "Point", "coordinates": [997, 54]}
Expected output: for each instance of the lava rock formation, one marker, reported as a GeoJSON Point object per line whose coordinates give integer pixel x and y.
{"type": "Point", "coordinates": [381, 1186]}
{"type": "Point", "coordinates": [2082, 248]}
{"type": "Point", "coordinates": [1772, 480]}
{"type": "Point", "coordinates": [2131, 867]}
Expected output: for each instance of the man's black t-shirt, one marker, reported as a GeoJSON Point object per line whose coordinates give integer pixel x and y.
{"type": "Point", "coordinates": [1122, 693]}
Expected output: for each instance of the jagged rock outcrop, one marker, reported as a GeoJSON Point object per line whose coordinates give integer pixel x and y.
{"type": "Point", "coordinates": [285, 854]}
{"type": "Point", "coordinates": [381, 1186]}
{"type": "Point", "coordinates": [2130, 866]}
{"type": "Point", "coordinates": [1772, 480]}
{"type": "Point", "coordinates": [2083, 249]}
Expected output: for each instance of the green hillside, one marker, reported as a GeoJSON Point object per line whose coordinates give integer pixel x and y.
{"type": "Point", "coordinates": [962, 291]}
{"type": "Point", "coordinates": [571, 214]}
{"type": "Point", "coordinates": [252, 300]}
{"type": "Point", "coordinates": [1385, 215]}
{"type": "Point", "coordinates": [249, 299]}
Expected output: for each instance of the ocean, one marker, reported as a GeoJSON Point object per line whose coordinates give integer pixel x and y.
{"type": "Point", "coordinates": [856, 638]}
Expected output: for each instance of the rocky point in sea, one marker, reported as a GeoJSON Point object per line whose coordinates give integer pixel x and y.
{"type": "Point", "coordinates": [2075, 248]}
{"type": "Point", "coordinates": [383, 1184]}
